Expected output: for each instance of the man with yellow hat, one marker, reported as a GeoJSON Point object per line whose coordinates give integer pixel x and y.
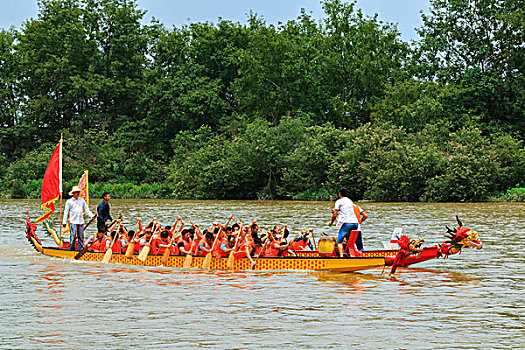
{"type": "Point", "coordinates": [75, 207]}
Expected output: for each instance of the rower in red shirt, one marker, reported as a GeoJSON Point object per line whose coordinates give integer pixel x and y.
{"type": "Point", "coordinates": [162, 242]}
{"type": "Point", "coordinates": [247, 249]}
{"type": "Point", "coordinates": [206, 243]}
{"type": "Point", "coordinates": [136, 242]}
{"type": "Point", "coordinates": [184, 243]}
{"type": "Point", "coordinates": [117, 245]}
{"type": "Point", "coordinates": [97, 240]}
{"type": "Point", "coordinates": [145, 240]}
{"type": "Point", "coordinates": [197, 238]}
{"type": "Point", "coordinates": [301, 241]}
{"type": "Point", "coordinates": [227, 245]}
{"type": "Point", "coordinates": [274, 247]}
{"type": "Point", "coordinates": [127, 239]}
{"type": "Point", "coordinates": [221, 239]}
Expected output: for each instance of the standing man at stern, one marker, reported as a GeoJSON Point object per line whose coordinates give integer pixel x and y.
{"type": "Point", "coordinates": [348, 216]}
{"type": "Point", "coordinates": [103, 212]}
{"type": "Point", "coordinates": [74, 210]}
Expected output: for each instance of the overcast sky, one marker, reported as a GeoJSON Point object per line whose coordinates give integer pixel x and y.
{"type": "Point", "coordinates": [405, 13]}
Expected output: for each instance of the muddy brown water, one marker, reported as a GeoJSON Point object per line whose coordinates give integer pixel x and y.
{"type": "Point", "coordinates": [470, 301]}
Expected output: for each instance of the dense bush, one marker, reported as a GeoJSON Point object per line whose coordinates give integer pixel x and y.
{"type": "Point", "coordinates": [259, 111]}
{"type": "Point", "coordinates": [514, 195]}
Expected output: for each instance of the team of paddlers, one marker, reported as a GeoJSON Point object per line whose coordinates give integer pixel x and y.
{"type": "Point", "coordinates": [238, 240]}
{"type": "Point", "coordinates": [220, 240]}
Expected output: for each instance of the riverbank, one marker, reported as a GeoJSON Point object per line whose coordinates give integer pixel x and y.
{"type": "Point", "coordinates": [159, 190]}
{"type": "Point", "coordinates": [126, 190]}
{"type": "Point", "coordinates": [512, 195]}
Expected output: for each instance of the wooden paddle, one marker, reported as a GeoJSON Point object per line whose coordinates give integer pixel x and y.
{"type": "Point", "coordinates": [86, 248]}
{"type": "Point", "coordinates": [231, 257]}
{"type": "Point", "coordinates": [313, 238]}
{"type": "Point", "coordinates": [229, 219]}
{"type": "Point", "coordinates": [207, 259]}
{"type": "Point", "coordinates": [290, 244]}
{"type": "Point", "coordinates": [262, 252]}
{"type": "Point", "coordinates": [82, 252]}
{"type": "Point", "coordinates": [109, 252]}
{"type": "Point", "coordinates": [145, 250]}
{"type": "Point", "coordinates": [167, 252]}
{"type": "Point", "coordinates": [90, 221]}
{"type": "Point", "coordinates": [131, 245]}
{"type": "Point", "coordinates": [189, 257]}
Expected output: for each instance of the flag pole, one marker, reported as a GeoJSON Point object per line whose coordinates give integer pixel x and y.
{"type": "Point", "coordinates": [60, 188]}
{"type": "Point", "coordinates": [87, 187]}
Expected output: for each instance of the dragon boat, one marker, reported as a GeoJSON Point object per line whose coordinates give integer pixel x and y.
{"type": "Point", "coordinates": [408, 252]}
{"type": "Point", "coordinates": [314, 262]}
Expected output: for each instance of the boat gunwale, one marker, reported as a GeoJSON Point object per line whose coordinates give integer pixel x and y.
{"type": "Point", "coordinates": [200, 256]}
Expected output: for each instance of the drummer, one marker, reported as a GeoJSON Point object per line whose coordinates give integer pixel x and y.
{"type": "Point", "coordinates": [349, 216]}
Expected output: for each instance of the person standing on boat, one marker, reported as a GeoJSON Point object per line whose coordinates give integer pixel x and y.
{"type": "Point", "coordinates": [348, 216]}
{"type": "Point", "coordinates": [103, 211]}
{"type": "Point", "coordinates": [75, 207]}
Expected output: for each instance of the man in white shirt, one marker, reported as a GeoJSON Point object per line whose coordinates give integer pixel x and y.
{"type": "Point", "coordinates": [75, 207]}
{"type": "Point", "coordinates": [349, 216]}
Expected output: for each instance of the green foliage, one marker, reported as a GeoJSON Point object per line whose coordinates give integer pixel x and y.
{"type": "Point", "coordinates": [129, 190]}
{"type": "Point", "coordinates": [415, 104]}
{"type": "Point", "coordinates": [510, 155]}
{"type": "Point", "coordinates": [315, 194]}
{"type": "Point", "coordinates": [363, 55]}
{"type": "Point", "coordinates": [514, 195]}
{"type": "Point", "coordinates": [280, 70]}
{"type": "Point", "coordinates": [10, 131]}
{"type": "Point", "coordinates": [257, 111]}
{"type": "Point", "coordinates": [307, 164]}
{"type": "Point", "coordinates": [478, 45]}
{"type": "Point", "coordinates": [333, 70]}
{"type": "Point", "coordinates": [470, 170]}
{"type": "Point", "coordinates": [122, 190]}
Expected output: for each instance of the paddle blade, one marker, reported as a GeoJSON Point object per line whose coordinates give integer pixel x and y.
{"type": "Point", "coordinates": [81, 253]}
{"type": "Point", "coordinates": [165, 257]}
{"type": "Point", "coordinates": [230, 262]}
{"type": "Point", "coordinates": [107, 256]}
{"type": "Point", "coordinates": [207, 261]}
{"type": "Point", "coordinates": [129, 250]}
{"type": "Point", "coordinates": [144, 253]}
{"type": "Point", "coordinates": [188, 261]}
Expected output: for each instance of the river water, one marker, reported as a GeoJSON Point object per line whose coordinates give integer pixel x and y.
{"type": "Point", "coordinates": [470, 301]}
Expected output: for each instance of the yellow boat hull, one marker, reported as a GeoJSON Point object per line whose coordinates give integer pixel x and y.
{"type": "Point", "coordinates": [317, 263]}
{"type": "Point", "coordinates": [280, 263]}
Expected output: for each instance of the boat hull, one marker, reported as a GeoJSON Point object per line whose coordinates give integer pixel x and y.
{"type": "Point", "coordinates": [278, 263]}
{"type": "Point", "coordinates": [428, 253]}
{"type": "Point", "coordinates": [317, 263]}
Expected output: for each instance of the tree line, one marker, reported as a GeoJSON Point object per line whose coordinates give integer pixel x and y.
{"type": "Point", "coordinates": [260, 111]}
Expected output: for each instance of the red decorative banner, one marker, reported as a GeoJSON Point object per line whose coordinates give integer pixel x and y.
{"type": "Point", "coordinates": [52, 184]}
{"type": "Point", "coordinates": [83, 184]}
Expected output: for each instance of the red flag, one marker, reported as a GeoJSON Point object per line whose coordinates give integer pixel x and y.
{"type": "Point", "coordinates": [52, 184]}
{"type": "Point", "coordinates": [84, 186]}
